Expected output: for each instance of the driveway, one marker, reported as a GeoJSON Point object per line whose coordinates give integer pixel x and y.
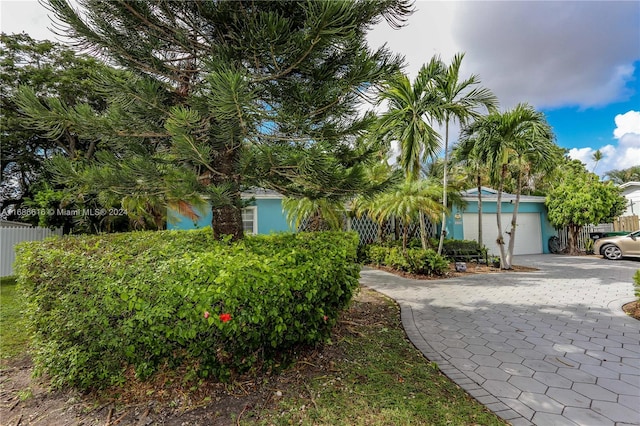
{"type": "Point", "coordinates": [550, 347]}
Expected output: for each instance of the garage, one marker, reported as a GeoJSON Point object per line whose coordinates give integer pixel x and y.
{"type": "Point", "coordinates": [533, 232]}
{"type": "Point", "coordinates": [528, 233]}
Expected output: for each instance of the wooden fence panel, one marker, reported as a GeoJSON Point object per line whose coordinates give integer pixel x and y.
{"type": "Point", "coordinates": [626, 223]}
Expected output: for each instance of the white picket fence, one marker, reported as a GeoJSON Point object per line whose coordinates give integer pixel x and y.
{"type": "Point", "coordinates": [10, 236]}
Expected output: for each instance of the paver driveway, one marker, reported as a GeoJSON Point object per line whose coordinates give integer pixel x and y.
{"type": "Point", "coordinates": [550, 347]}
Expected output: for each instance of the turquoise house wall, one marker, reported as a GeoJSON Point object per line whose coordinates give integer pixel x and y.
{"type": "Point", "coordinates": [455, 227]}
{"type": "Point", "coordinates": [271, 218]}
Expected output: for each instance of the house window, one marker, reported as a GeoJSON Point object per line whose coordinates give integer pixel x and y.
{"type": "Point", "coordinates": [250, 220]}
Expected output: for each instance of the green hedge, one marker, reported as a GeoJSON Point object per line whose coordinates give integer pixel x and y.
{"type": "Point", "coordinates": [99, 305]}
{"type": "Point", "coordinates": [413, 260]}
{"type": "Point", "coordinates": [636, 284]}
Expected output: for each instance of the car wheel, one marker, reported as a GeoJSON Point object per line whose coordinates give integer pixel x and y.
{"type": "Point", "coordinates": [611, 252]}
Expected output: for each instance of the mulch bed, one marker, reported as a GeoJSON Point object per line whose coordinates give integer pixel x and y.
{"type": "Point", "coordinates": [472, 268]}
{"type": "Point", "coordinates": [632, 309]}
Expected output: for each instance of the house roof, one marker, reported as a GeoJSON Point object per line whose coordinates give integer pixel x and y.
{"type": "Point", "coordinates": [490, 194]}
{"type": "Point", "coordinates": [262, 194]}
{"type": "Point", "coordinates": [628, 184]}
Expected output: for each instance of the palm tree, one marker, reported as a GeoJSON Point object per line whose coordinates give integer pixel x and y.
{"type": "Point", "coordinates": [520, 137]}
{"type": "Point", "coordinates": [458, 100]}
{"type": "Point", "coordinates": [624, 175]}
{"type": "Point", "coordinates": [406, 202]}
{"type": "Point", "coordinates": [318, 214]}
{"type": "Point", "coordinates": [596, 157]}
{"type": "Point", "coordinates": [467, 154]}
{"type": "Point", "coordinates": [410, 106]}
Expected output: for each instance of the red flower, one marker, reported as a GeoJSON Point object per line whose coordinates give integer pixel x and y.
{"type": "Point", "coordinates": [225, 317]}
{"type": "Point", "coordinates": [325, 318]}
{"type": "Point", "coordinates": [206, 314]}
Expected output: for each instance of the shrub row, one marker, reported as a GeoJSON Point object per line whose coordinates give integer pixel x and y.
{"type": "Point", "coordinates": [413, 260]}
{"type": "Point", "coordinates": [100, 305]}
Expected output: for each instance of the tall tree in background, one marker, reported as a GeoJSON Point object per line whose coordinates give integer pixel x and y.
{"type": "Point", "coordinates": [235, 93]}
{"type": "Point", "coordinates": [467, 153]}
{"type": "Point", "coordinates": [52, 71]}
{"type": "Point", "coordinates": [631, 174]}
{"type": "Point", "coordinates": [596, 157]}
{"type": "Point", "coordinates": [406, 121]}
{"type": "Point", "coordinates": [458, 100]}
{"type": "Point", "coordinates": [580, 199]}
{"type": "Point", "coordinates": [519, 138]}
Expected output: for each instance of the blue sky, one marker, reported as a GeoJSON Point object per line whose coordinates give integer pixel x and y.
{"type": "Point", "coordinates": [577, 61]}
{"type": "Point", "coordinates": [583, 130]}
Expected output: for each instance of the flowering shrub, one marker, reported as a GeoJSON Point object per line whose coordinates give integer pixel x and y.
{"type": "Point", "coordinates": [101, 304]}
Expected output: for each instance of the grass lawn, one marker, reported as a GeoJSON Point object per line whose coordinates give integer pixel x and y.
{"type": "Point", "coordinates": [372, 375]}
{"type": "Point", "coordinates": [369, 374]}
{"type": "Point", "coordinates": [13, 339]}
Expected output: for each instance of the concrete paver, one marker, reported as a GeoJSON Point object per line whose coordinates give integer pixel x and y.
{"type": "Point", "coordinates": [545, 347]}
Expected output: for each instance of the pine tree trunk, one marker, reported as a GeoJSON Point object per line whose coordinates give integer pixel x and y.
{"type": "Point", "coordinates": [227, 219]}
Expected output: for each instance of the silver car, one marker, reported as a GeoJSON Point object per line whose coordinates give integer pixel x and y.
{"type": "Point", "coordinates": [615, 248]}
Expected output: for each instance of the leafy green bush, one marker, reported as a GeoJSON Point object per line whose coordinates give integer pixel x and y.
{"type": "Point", "coordinates": [636, 285]}
{"type": "Point", "coordinates": [414, 260]}
{"type": "Point", "coordinates": [397, 259]}
{"type": "Point", "coordinates": [100, 305]}
{"type": "Point", "coordinates": [377, 254]}
{"type": "Point", "coordinates": [426, 262]}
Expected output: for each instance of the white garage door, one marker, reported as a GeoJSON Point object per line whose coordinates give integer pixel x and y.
{"type": "Point", "coordinates": [528, 235]}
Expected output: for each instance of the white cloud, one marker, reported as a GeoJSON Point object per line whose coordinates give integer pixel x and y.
{"type": "Point", "coordinates": [550, 54]}
{"type": "Point", "coordinates": [427, 33]}
{"type": "Point", "coordinates": [621, 156]}
{"type": "Point", "coordinates": [582, 154]}
{"type": "Point", "coordinates": [627, 123]}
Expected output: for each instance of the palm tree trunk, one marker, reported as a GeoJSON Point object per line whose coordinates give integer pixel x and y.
{"type": "Point", "coordinates": [444, 186]}
{"type": "Point", "coordinates": [423, 231]}
{"type": "Point", "coordinates": [500, 239]}
{"type": "Point", "coordinates": [405, 236]}
{"type": "Point", "coordinates": [479, 182]}
{"type": "Point", "coordinates": [514, 217]}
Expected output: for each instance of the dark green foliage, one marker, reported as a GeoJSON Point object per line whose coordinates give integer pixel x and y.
{"type": "Point", "coordinates": [636, 285]}
{"type": "Point", "coordinates": [225, 95]}
{"type": "Point", "coordinates": [579, 198]}
{"type": "Point", "coordinates": [464, 250]}
{"type": "Point", "coordinates": [64, 78]}
{"type": "Point", "coordinates": [102, 304]}
{"type": "Point", "coordinates": [413, 260]}
{"type": "Point", "coordinates": [619, 177]}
